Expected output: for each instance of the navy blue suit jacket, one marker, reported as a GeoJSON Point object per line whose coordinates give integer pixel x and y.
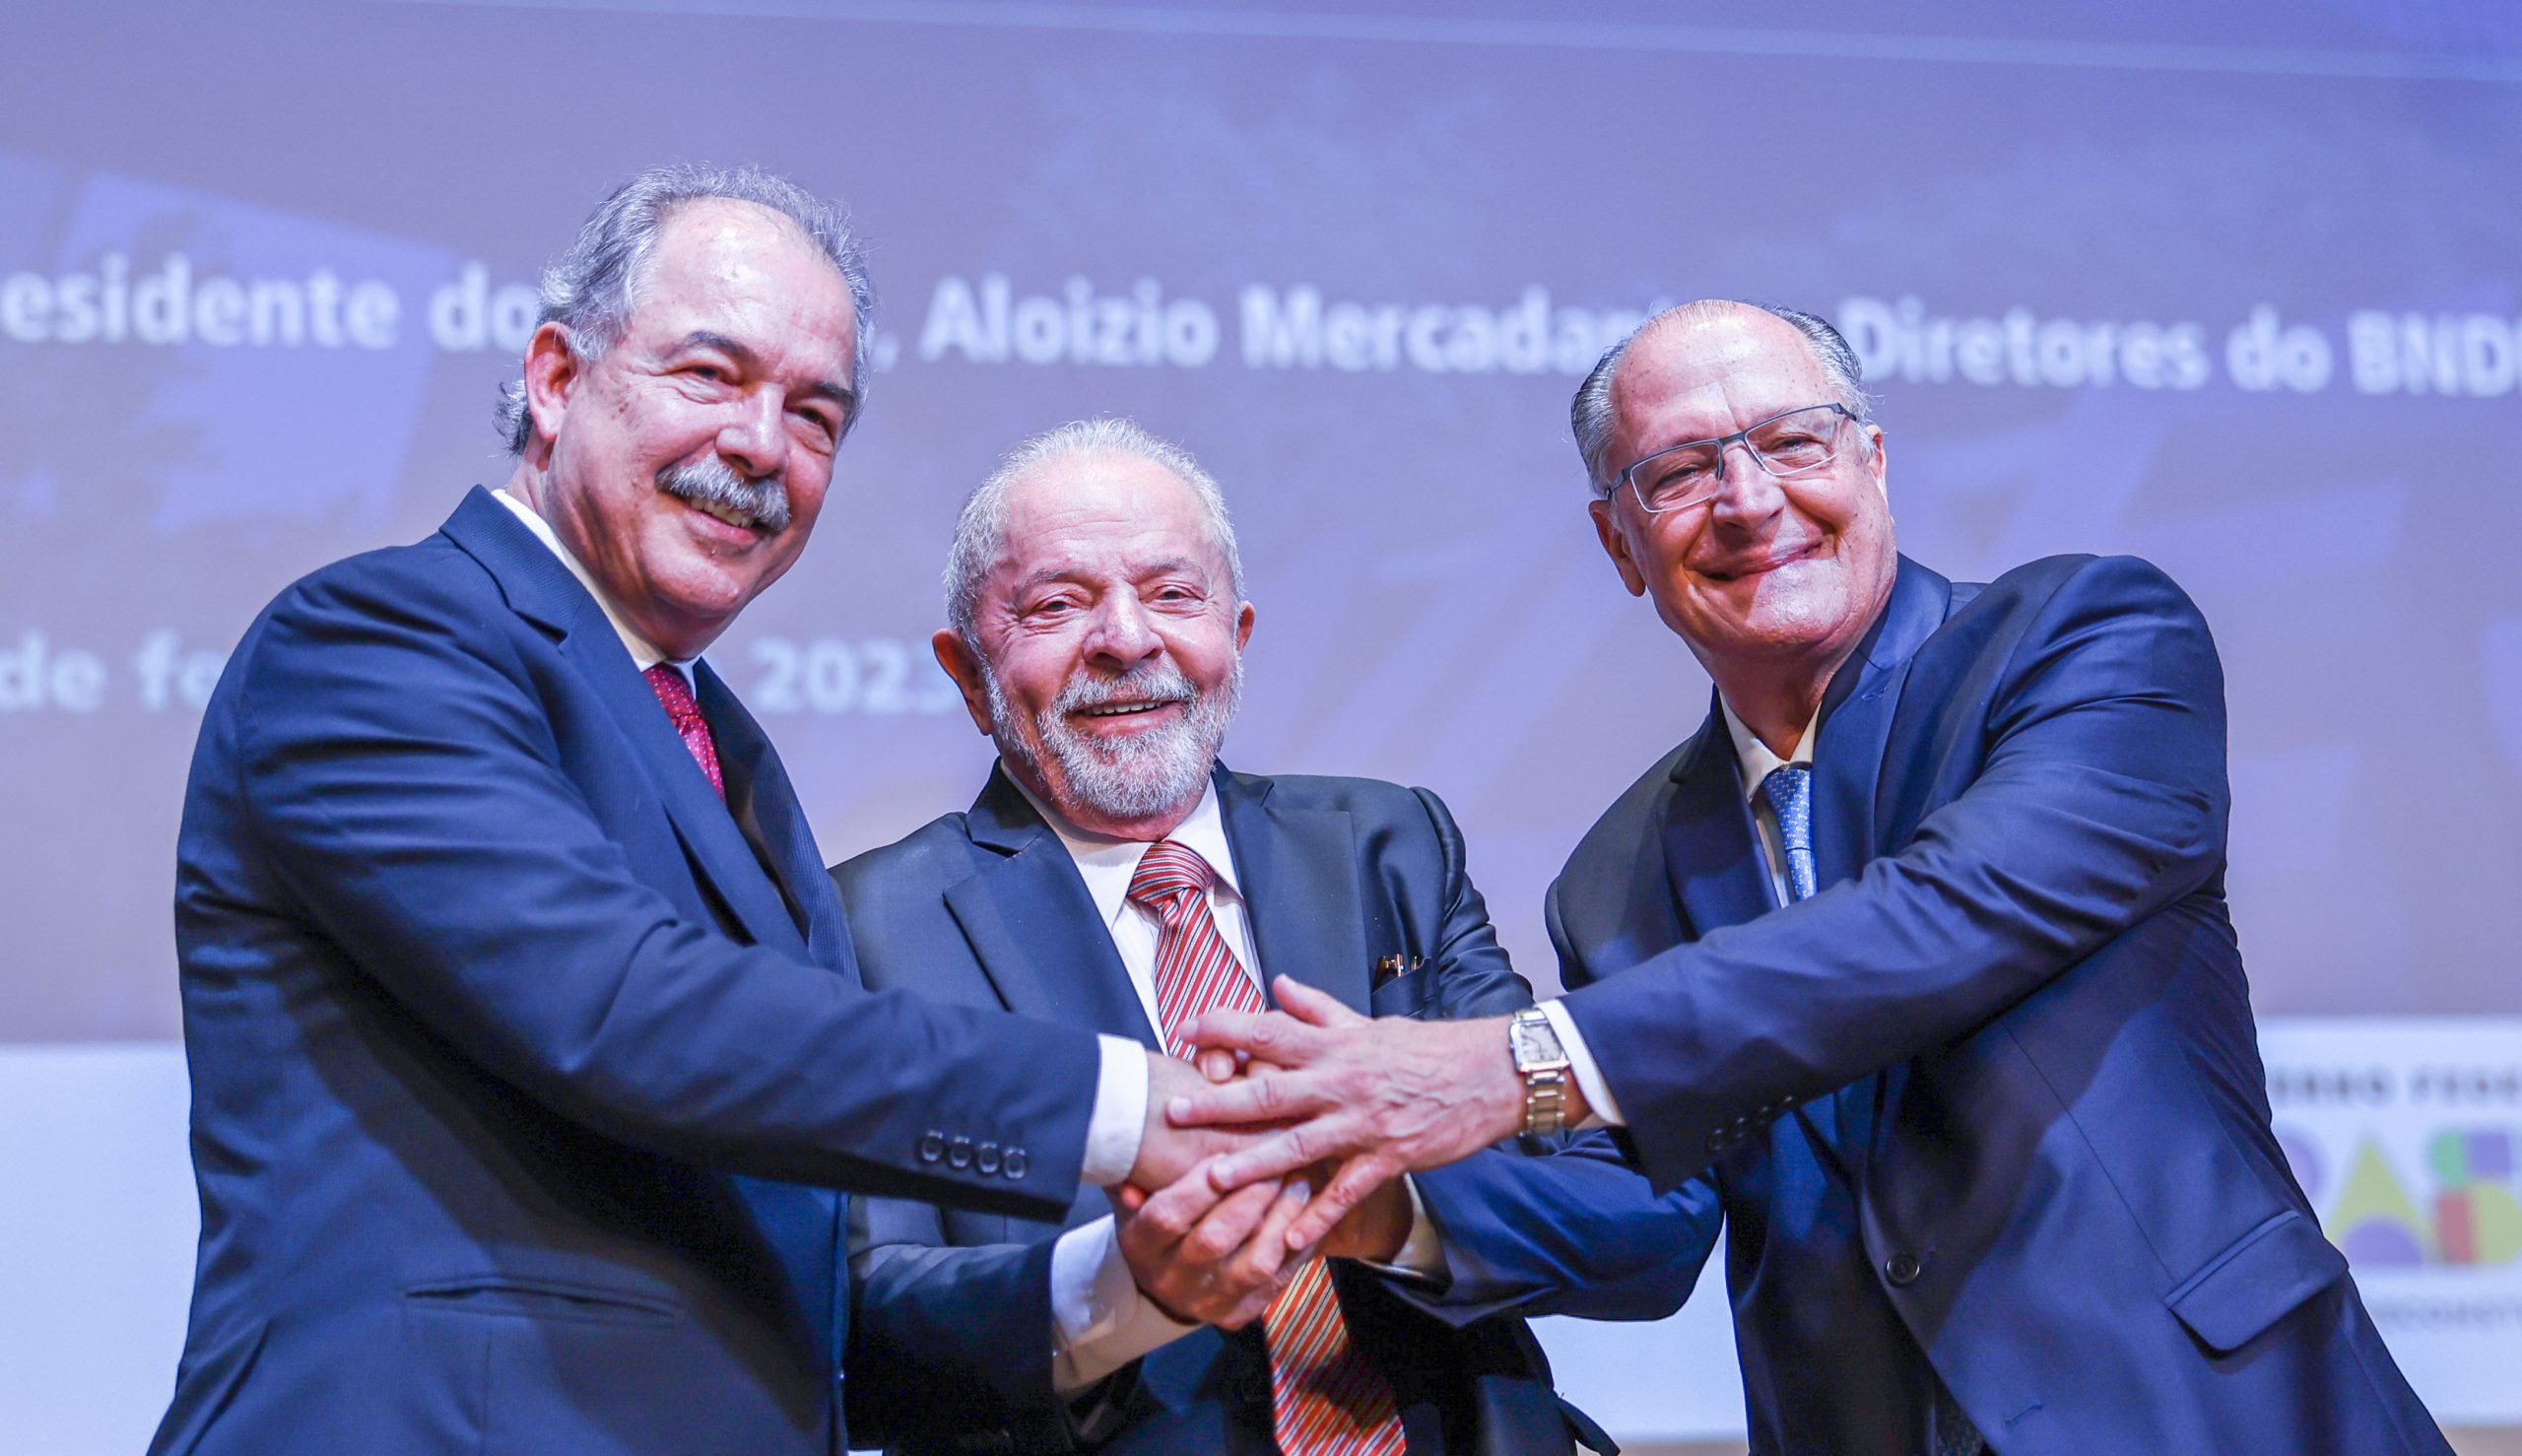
{"type": "Point", "coordinates": [949, 1342]}
{"type": "Point", "coordinates": [511, 1045]}
{"type": "Point", "coordinates": [1993, 1094]}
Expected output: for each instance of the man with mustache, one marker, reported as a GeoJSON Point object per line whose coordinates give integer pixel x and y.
{"type": "Point", "coordinates": [526, 1039]}
{"type": "Point", "coordinates": [1916, 955]}
{"type": "Point", "coordinates": [1113, 875]}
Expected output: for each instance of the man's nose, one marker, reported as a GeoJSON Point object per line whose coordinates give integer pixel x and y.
{"type": "Point", "coordinates": [1745, 492]}
{"type": "Point", "coordinates": [755, 440]}
{"type": "Point", "coordinates": [1123, 635]}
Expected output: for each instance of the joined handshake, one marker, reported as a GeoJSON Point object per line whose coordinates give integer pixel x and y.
{"type": "Point", "coordinates": [1283, 1140]}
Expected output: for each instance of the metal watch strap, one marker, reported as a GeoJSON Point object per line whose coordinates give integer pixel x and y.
{"type": "Point", "coordinates": [1545, 1087]}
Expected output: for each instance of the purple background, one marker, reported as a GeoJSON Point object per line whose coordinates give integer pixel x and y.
{"type": "Point", "coordinates": [1432, 607]}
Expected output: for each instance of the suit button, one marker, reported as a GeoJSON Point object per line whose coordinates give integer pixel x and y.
{"type": "Point", "coordinates": [1014, 1163]}
{"type": "Point", "coordinates": [985, 1158]}
{"type": "Point", "coordinates": [1902, 1269]}
{"type": "Point", "coordinates": [932, 1146]}
{"type": "Point", "coordinates": [958, 1154]}
{"type": "Point", "coordinates": [1718, 1140]}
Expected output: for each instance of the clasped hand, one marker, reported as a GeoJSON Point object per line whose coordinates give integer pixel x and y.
{"type": "Point", "coordinates": [1207, 1253]}
{"type": "Point", "coordinates": [1314, 1106]}
{"type": "Point", "coordinates": [1365, 1101]}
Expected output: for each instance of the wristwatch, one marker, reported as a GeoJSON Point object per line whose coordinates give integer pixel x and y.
{"type": "Point", "coordinates": [1543, 1064]}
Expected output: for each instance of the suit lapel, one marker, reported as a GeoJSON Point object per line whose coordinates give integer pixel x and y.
{"type": "Point", "coordinates": [1033, 928]}
{"type": "Point", "coordinates": [1856, 723]}
{"type": "Point", "coordinates": [538, 585]}
{"type": "Point", "coordinates": [705, 825]}
{"type": "Point", "coordinates": [1848, 775]}
{"type": "Point", "coordinates": [1297, 869]}
{"type": "Point", "coordinates": [1710, 848]}
{"type": "Point", "coordinates": [767, 812]}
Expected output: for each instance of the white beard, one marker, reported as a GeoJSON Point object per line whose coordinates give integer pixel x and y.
{"type": "Point", "coordinates": [1132, 778]}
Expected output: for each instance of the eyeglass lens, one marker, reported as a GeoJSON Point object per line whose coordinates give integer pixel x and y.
{"type": "Point", "coordinates": [1787, 444]}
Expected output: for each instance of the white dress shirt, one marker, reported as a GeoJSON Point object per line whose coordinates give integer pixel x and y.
{"type": "Point", "coordinates": [1119, 1118]}
{"type": "Point", "coordinates": [1757, 764]}
{"type": "Point", "coordinates": [1099, 1321]}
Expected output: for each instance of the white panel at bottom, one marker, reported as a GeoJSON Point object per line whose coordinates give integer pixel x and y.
{"type": "Point", "coordinates": [1673, 1380]}
{"type": "Point", "coordinates": [97, 1226]}
{"type": "Point", "coordinates": [2407, 1134]}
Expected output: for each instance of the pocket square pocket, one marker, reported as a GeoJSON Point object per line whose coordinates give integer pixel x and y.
{"type": "Point", "coordinates": [1399, 987]}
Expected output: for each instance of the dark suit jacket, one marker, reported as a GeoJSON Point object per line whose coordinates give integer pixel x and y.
{"type": "Point", "coordinates": [1994, 1093]}
{"type": "Point", "coordinates": [949, 1344]}
{"type": "Point", "coordinates": [502, 1026]}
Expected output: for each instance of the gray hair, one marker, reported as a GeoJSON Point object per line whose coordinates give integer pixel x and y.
{"type": "Point", "coordinates": [1590, 414]}
{"type": "Point", "coordinates": [980, 530]}
{"type": "Point", "coordinates": [590, 288]}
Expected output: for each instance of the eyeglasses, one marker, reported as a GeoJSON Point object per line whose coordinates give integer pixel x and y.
{"type": "Point", "coordinates": [1679, 476]}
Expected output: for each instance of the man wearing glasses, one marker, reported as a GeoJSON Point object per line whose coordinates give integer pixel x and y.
{"type": "Point", "coordinates": [1917, 952]}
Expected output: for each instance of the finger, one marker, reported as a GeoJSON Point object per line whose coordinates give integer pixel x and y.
{"type": "Point", "coordinates": [1177, 1208]}
{"type": "Point", "coordinates": [1284, 1211]}
{"type": "Point", "coordinates": [1313, 1007]}
{"type": "Point", "coordinates": [1216, 1064]}
{"type": "Point", "coordinates": [1268, 1035]}
{"type": "Point", "coordinates": [1256, 1265]}
{"type": "Point", "coordinates": [1263, 1096]}
{"type": "Point", "coordinates": [1130, 1196]}
{"type": "Point", "coordinates": [1284, 1152]}
{"type": "Point", "coordinates": [1229, 1227]}
{"type": "Point", "coordinates": [1349, 1187]}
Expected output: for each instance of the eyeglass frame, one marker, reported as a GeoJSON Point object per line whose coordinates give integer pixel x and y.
{"type": "Point", "coordinates": [1724, 443]}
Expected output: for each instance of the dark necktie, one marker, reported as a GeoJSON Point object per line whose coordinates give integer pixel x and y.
{"type": "Point", "coordinates": [666, 681]}
{"type": "Point", "coordinates": [1789, 790]}
{"type": "Point", "coordinates": [1325, 1398]}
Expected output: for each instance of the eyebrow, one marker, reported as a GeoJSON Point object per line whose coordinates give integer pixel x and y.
{"type": "Point", "coordinates": [736, 350]}
{"type": "Point", "coordinates": [1171, 565]}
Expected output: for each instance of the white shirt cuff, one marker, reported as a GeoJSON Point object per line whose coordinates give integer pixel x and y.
{"type": "Point", "coordinates": [1422, 1251]}
{"type": "Point", "coordinates": [1119, 1119]}
{"type": "Point", "coordinates": [1604, 1109]}
{"type": "Point", "coordinates": [1099, 1321]}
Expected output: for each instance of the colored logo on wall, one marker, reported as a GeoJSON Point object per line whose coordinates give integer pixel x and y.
{"type": "Point", "coordinates": [2461, 1208]}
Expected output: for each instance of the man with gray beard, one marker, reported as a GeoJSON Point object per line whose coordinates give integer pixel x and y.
{"type": "Point", "coordinates": [1113, 876]}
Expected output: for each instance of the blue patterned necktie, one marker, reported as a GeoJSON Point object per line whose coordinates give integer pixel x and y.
{"type": "Point", "coordinates": [1789, 792]}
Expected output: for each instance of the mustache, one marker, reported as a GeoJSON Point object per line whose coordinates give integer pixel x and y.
{"type": "Point", "coordinates": [714, 482]}
{"type": "Point", "coordinates": [1145, 684]}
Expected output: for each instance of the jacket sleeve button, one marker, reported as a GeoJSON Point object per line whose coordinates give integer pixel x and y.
{"type": "Point", "coordinates": [958, 1154]}
{"type": "Point", "coordinates": [1015, 1163]}
{"type": "Point", "coordinates": [932, 1146]}
{"type": "Point", "coordinates": [985, 1158]}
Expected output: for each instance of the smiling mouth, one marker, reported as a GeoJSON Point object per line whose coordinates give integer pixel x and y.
{"type": "Point", "coordinates": [1127, 710]}
{"type": "Point", "coordinates": [1766, 564]}
{"type": "Point", "coordinates": [740, 520]}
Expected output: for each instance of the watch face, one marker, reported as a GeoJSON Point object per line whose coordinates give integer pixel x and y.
{"type": "Point", "coordinates": [1534, 1042]}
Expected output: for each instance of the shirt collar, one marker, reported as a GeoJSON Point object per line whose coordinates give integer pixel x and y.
{"type": "Point", "coordinates": [643, 654]}
{"type": "Point", "coordinates": [1755, 756]}
{"type": "Point", "coordinates": [1107, 865]}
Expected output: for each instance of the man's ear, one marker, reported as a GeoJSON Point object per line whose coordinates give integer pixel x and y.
{"type": "Point", "coordinates": [1616, 543]}
{"type": "Point", "coordinates": [965, 668]}
{"type": "Point", "coordinates": [1243, 625]}
{"type": "Point", "coordinates": [551, 374]}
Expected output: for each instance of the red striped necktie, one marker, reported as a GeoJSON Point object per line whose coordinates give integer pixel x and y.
{"type": "Point", "coordinates": [666, 681]}
{"type": "Point", "coordinates": [1325, 1398]}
